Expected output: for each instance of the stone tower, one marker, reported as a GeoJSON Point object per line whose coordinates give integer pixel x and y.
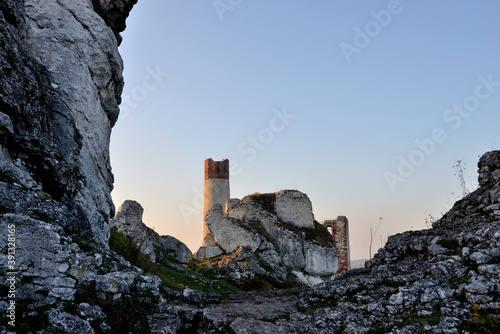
{"type": "Point", "coordinates": [340, 233]}
{"type": "Point", "coordinates": [216, 186]}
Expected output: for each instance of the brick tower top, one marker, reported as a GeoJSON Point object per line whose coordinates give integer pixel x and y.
{"type": "Point", "coordinates": [216, 169]}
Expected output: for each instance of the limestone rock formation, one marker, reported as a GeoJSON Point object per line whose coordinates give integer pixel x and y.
{"type": "Point", "coordinates": [60, 86]}
{"type": "Point", "coordinates": [60, 81]}
{"type": "Point", "coordinates": [272, 235]}
{"type": "Point", "coordinates": [128, 221]}
{"type": "Point", "coordinates": [55, 270]}
{"type": "Point", "coordinates": [114, 12]}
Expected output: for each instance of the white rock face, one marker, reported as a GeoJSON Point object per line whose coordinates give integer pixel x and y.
{"type": "Point", "coordinates": [307, 279]}
{"type": "Point", "coordinates": [80, 51]}
{"type": "Point", "coordinates": [294, 207]}
{"type": "Point", "coordinates": [228, 234]}
{"type": "Point", "coordinates": [320, 261]}
{"type": "Point", "coordinates": [231, 203]}
{"type": "Point", "coordinates": [208, 250]}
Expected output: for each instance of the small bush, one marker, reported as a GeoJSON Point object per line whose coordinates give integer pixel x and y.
{"type": "Point", "coordinates": [82, 243]}
{"type": "Point", "coordinates": [7, 176]}
{"type": "Point", "coordinates": [266, 201]}
{"type": "Point", "coordinates": [449, 244]}
{"type": "Point", "coordinates": [124, 246]}
{"type": "Point", "coordinates": [170, 278]}
{"type": "Point", "coordinates": [483, 322]}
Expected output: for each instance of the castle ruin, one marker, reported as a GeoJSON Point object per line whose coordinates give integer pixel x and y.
{"type": "Point", "coordinates": [340, 231]}
{"type": "Point", "coordinates": [216, 187]}
{"type": "Point", "coordinates": [216, 191]}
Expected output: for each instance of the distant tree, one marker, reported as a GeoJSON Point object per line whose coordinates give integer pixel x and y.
{"type": "Point", "coordinates": [372, 233]}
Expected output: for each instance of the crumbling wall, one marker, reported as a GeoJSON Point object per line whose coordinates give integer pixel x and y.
{"type": "Point", "coordinates": [340, 233]}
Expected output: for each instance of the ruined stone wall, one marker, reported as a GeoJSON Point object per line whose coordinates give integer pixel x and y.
{"type": "Point", "coordinates": [295, 208]}
{"type": "Point", "coordinates": [252, 240]}
{"type": "Point", "coordinates": [340, 232]}
{"type": "Point", "coordinates": [216, 186]}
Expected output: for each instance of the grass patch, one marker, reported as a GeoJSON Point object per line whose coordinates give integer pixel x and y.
{"type": "Point", "coordinates": [324, 304]}
{"type": "Point", "coordinates": [432, 319]}
{"type": "Point", "coordinates": [262, 282]}
{"type": "Point", "coordinates": [28, 321]}
{"type": "Point", "coordinates": [178, 281]}
{"type": "Point", "coordinates": [412, 319]}
{"type": "Point", "coordinates": [82, 243]}
{"type": "Point", "coordinates": [379, 329]}
{"type": "Point", "coordinates": [266, 201]}
{"type": "Point", "coordinates": [449, 244]}
{"type": "Point", "coordinates": [124, 246]}
{"type": "Point", "coordinates": [129, 315]}
{"type": "Point", "coordinates": [7, 176]}
{"type": "Point", "coordinates": [319, 235]}
{"type": "Point", "coordinates": [351, 294]}
{"type": "Point", "coordinates": [170, 277]}
{"type": "Point", "coordinates": [455, 282]}
{"type": "Point", "coordinates": [483, 322]}
{"type": "Point", "coordinates": [46, 195]}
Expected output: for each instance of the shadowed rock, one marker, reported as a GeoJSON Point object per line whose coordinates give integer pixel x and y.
{"type": "Point", "coordinates": [128, 221]}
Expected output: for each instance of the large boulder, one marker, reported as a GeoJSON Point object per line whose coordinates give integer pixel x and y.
{"type": "Point", "coordinates": [128, 221]}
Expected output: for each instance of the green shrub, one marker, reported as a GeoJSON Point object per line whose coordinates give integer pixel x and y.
{"type": "Point", "coordinates": [170, 277]}
{"type": "Point", "coordinates": [266, 201]}
{"type": "Point", "coordinates": [7, 176]}
{"type": "Point", "coordinates": [124, 246]}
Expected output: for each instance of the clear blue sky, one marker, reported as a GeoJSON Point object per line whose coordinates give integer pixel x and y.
{"type": "Point", "coordinates": [364, 106]}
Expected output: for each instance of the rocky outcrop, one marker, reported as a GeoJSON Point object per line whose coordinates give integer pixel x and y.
{"type": "Point", "coordinates": [60, 86]}
{"type": "Point", "coordinates": [85, 69]}
{"type": "Point", "coordinates": [271, 235]}
{"type": "Point", "coordinates": [128, 221]}
{"type": "Point", "coordinates": [114, 13]}
{"type": "Point", "coordinates": [53, 271]}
